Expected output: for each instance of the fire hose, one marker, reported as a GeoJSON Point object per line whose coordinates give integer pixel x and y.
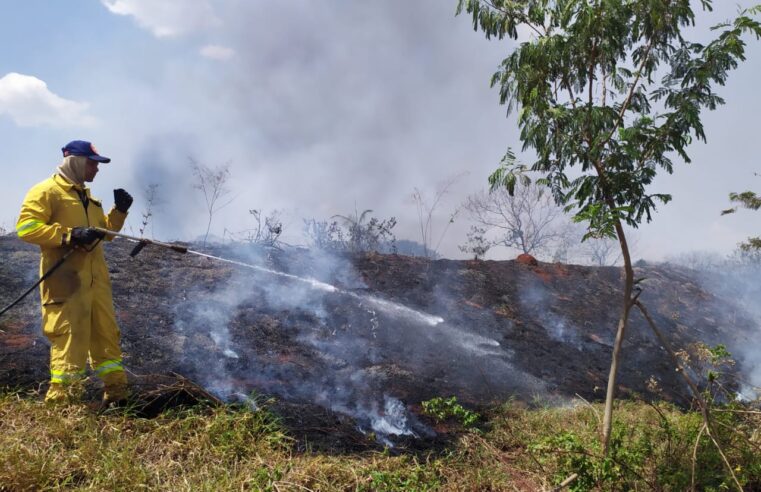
{"type": "Point", "coordinates": [52, 269]}
{"type": "Point", "coordinates": [141, 243]}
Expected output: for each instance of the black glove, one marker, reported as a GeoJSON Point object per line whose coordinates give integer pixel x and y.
{"type": "Point", "coordinates": [81, 236]}
{"type": "Point", "coordinates": [123, 200]}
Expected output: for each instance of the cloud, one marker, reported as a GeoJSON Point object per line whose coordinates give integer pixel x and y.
{"type": "Point", "coordinates": [217, 52]}
{"type": "Point", "coordinates": [167, 18]}
{"type": "Point", "coordinates": [29, 102]}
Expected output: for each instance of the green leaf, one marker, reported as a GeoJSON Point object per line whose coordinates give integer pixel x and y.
{"type": "Point", "coordinates": [656, 82]}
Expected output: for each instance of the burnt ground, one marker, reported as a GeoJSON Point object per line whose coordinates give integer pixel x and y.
{"type": "Point", "coordinates": [342, 362]}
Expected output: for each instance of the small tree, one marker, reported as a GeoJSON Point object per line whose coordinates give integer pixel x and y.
{"type": "Point", "coordinates": [477, 244]}
{"type": "Point", "coordinates": [267, 229]}
{"type": "Point", "coordinates": [527, 220]}
{"type": "Point", "coordinates": [612, 89]}
{"type": "Point", "coordinates": [426, 210]}
{"type": "Point", "coordinates": [354, 233]}
{"type": "Point", "coordinates": [368, 235]}
{"type": "Point", "coordinates": [606, 251]}
{"type": "Point", "coordinates": [151, 202]}
{"type": "Point", "coordinates": [212, 181]}
{"type": "Point", "coordinates": [324, 235]}
{"type": "Point", "coordinates": [566, 248]}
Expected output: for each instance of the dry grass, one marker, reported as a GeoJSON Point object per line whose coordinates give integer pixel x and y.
{"type": "Point", "coordinates": [224, 448]}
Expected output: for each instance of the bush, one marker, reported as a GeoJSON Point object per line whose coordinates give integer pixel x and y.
{"type": "Point", "coordinates": [652, 447]}
{"type": "Point", "coordinates": [441, 409]}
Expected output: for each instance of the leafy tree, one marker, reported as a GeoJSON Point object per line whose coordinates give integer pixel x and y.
{"type": "Point", "coordinates": [747, 199]}
{"type": "Point", "coordinates": [607, 93]}
{"type": "Point", "coordinates": [752, 201]}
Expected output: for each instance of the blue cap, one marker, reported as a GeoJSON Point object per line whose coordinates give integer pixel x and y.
{"type": "Point", "coordinates": [83, 148]}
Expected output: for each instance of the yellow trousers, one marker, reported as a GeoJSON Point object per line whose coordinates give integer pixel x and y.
{"type": "Point", "coordinates": [83, 326]}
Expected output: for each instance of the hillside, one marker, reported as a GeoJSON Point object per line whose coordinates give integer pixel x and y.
{"type": "Point", "coordinates": [361, 346]}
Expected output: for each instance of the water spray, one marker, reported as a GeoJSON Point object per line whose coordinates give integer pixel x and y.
{"type": "Point", "coordinates": [390, 307]}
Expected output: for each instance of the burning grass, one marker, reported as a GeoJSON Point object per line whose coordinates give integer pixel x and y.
{"type": "Point", "coordinates": [209, 447]}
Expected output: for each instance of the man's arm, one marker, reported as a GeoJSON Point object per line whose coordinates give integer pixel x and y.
{"type": "Point", "coordinates": [34, 225]}
{"type": "Point", "coordinates": [115, 220]}
{"type": "Point", "coordinates": [118, 214]}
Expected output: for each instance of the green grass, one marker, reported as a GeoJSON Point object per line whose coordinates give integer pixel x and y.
{"type": "Point", "coordinates": [231, 448]}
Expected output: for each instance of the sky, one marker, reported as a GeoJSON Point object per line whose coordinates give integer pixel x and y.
{"type": "Point", "coordinates": [320, 108]}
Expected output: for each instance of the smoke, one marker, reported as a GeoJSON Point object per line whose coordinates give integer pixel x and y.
{"type": "Point", "coordinates": [339, 383]}
{"type": "Point", "coordinates": [536, 299]}
{"type": "Point", "coordinates": [210, 315]}
{"type": "Point", "coordinates": [736, 281]}
{"type": "Point", "coordinates": [311, 125]}
{"type": "Point", "coordinates": [344, 348]}
{"type": "Point", "coordinates": [165, 162]}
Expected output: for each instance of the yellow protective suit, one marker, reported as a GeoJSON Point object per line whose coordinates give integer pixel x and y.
{"type": "Point", "coordinates": [77, 308]}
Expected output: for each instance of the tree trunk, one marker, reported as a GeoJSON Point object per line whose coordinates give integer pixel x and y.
{"type": "Point", "coordinates": [623, 321]}
{"type": "Point", "coordinates": [208, 228]}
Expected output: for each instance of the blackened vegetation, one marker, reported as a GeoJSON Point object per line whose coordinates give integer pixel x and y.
{"type": "Point", "coordinates": [336, 363]}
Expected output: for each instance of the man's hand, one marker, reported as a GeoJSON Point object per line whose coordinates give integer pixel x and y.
{"type": "Point", "coordinates": [81, 236]}
{"type": "Point", "coordinates": [123, 200]}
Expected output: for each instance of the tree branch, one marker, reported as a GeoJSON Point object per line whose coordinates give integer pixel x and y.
{"type": "Point", "coordinates": [695, 457]}
{"type": "Point", "coordinates": [627, 101]}
{"type": "Point", "coordinates": [519, 15]}
{"type": "Point", "coordinates": [696, 392]}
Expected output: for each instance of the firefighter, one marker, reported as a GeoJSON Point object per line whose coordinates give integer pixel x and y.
{"type": "Point", "coordinates": [78, 316]}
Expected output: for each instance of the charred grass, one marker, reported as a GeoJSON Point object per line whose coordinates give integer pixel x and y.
{"type": "Point", "coordinates": [236, 448]}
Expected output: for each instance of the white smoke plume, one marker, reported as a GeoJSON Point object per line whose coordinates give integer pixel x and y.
{"type": "Point", "coordinates": [357, 341]}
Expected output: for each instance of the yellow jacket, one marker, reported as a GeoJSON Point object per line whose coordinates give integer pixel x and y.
{"type": "Point", "coordinates": [50, 211]}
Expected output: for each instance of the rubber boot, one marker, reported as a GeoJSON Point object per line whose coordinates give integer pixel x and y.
{"type": "Point", "coordinates": [116, 390]}
{"type": "Point", "coordinates": [68, 393]}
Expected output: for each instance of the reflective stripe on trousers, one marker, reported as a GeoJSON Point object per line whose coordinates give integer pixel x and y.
{"type": "Point", "coordinates": [62, 377]}
{"type": "Point", "coordinates": [109, 366]}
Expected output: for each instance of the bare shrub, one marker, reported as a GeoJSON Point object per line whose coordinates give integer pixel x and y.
{"type": "Point", "coordinates": [426, 209]}
{"type": "Point", "coordinates": [266, 231]}
{"type": "Point", "coordinates": [324, 235]}
{"type": "Point", "coordinates": [212, 181]}
{"type": "Point", "coordinates": [528, 221]}
{"type": "Point", "coordinates": [477, 244]}
{"type": "Point", "coordinates": [152, 201]}
{"type": "Point", "coordinates": [352, 233]}
{"type": "Point", "coordinates": [371, 235]}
